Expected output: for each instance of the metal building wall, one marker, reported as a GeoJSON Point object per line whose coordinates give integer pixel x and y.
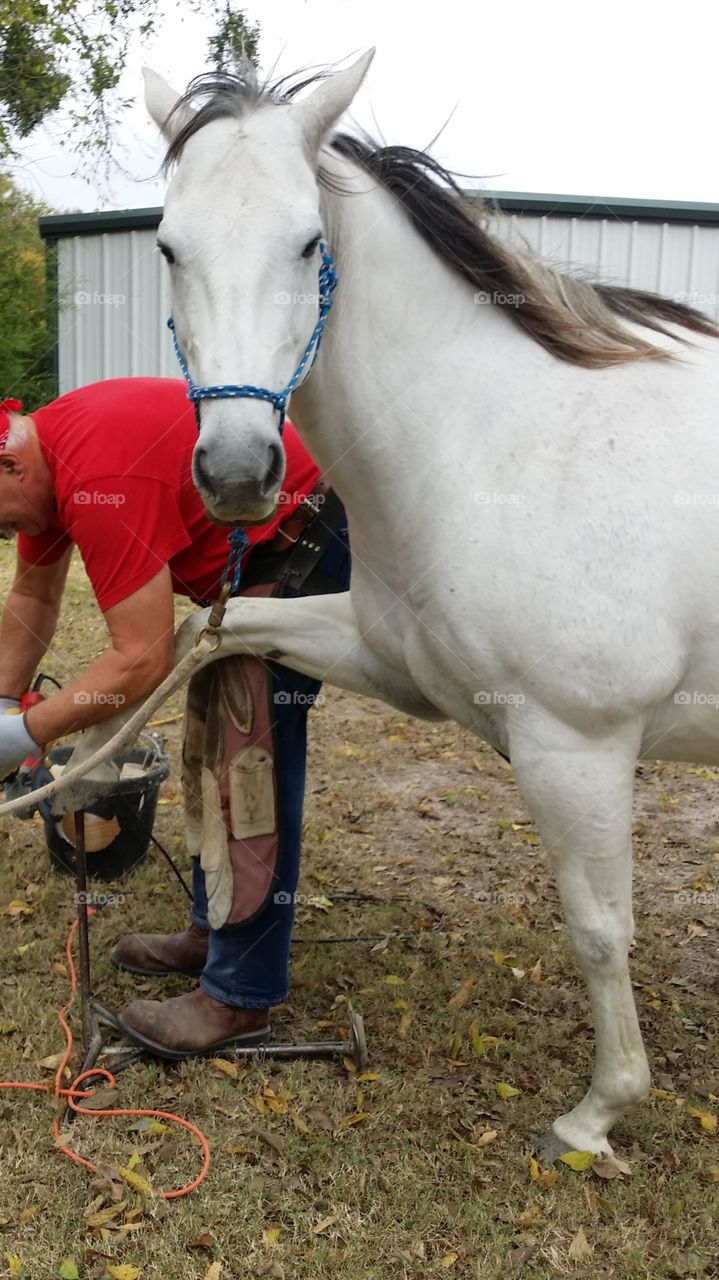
{"type": "Point", "coordinates": [113, 304]}
{"type": "Point", "coordinates": [678, 260]}
{"type": "Point", "coordinates": [113, 285]}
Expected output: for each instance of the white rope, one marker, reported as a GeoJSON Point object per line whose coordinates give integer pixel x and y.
{"type": "Point", "coordinates": [203, 647]}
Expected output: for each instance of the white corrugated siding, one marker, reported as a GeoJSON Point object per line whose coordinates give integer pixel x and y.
{"type": "Point", "coordinates": [113, 308]}
{"type": "Point", "coordinates": [114, 296]}
{"type": "Point", "coordinates": [675, 259]}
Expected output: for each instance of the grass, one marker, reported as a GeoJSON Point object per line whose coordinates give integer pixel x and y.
{"type": "Point", "coordinates": [415, 1188]}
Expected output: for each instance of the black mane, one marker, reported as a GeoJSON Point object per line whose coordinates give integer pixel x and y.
{"type": "Point", "coordinates": [578, 321]}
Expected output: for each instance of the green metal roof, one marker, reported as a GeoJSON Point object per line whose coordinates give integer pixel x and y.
{"type": "Point", "coordinates": [59, 225]}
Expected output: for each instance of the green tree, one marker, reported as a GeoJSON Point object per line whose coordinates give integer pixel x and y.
{"type": "Point", "coordinates": [23, 299]}
{"type": "Point", "coordinates": [234, 40]}
{"type": "Point", "coordinates": [72, 53]}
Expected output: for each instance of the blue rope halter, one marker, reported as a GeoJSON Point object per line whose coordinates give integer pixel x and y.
{"type": "Point", "coordinates": [246, 391]}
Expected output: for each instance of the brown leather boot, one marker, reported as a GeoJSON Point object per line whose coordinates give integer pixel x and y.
{"type": "Point", "coordinates": [155, 955]}
{"type": "Point", "coordinates": [192, 1025]}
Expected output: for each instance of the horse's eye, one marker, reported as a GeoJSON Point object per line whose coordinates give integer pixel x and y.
{"type": "Point", "coordinates": [166, 252]}
{"type": "Point", "coordinates": [310, 247]}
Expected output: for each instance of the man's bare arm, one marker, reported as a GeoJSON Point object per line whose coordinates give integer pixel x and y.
{"type": "Point", "coordinates": [142, 633]}
{"type": "Point", "coordinates": [29, 620]}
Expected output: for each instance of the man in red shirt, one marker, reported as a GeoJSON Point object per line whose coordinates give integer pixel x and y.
{"type": "Point", "coordinates": [107, 468]}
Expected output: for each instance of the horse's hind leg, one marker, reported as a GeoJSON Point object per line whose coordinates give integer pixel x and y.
{"type": "Point", "coordinates": [579, 791]}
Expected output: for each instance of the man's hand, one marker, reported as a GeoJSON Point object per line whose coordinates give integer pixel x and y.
{"type": "Point", "coordinates": [15, 743]}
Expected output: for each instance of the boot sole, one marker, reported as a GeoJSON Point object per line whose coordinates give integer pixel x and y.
{"type": "Point", "coordinates": [250, 1040]}
{"type": "Point", "coordinates": [155, 973]}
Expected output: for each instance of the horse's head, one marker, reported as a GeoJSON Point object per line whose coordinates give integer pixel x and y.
{"type": "Point", "coordinates": [241, 231]}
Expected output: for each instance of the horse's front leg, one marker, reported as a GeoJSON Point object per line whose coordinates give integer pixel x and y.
{"type": "Point", "coordinates": [316, 635]}
{"type": "Point", "coordinates": [579, 791]}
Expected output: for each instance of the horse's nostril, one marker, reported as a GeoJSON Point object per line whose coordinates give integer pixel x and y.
{"type": "Point", "coordinates": [274, 466]}
{"type": "Point", "coordinates": [201, 469]}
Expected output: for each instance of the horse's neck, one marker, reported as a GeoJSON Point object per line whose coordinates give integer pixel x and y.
{"type": "Point", "coordinates": [405, 361]}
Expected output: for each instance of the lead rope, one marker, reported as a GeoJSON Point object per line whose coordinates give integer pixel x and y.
{"type": "Point", "coordinates": [229, 582]}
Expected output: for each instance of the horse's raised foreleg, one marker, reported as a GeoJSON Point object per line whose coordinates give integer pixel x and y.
{"type": "Point", "coordinates": [316, 635]}
{"type": "Point", "coordinates": [580, 794]}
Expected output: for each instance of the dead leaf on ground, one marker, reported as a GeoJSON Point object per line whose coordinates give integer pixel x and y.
{"type": "Point", "coordinates": [205, 1241]}
{"type": "Point", "coordinates": [324, 1224]}
{"type": "Point", "coordinates": [505, 1091]}
{"type": "Point", "coordinates": [598, 1204]}
{"type": "Point", "coordinates": [461, 997]}
{"type": "Point", "coordinates": [271, 1140]}
{"type": "Point", "coordinates": [136, 1181]}
{"type": "Point", "coordinates": [485, 1138]}
{"type": "Point", "coordinates": [16, 909]}
{"type": "Point", "coordinates": [103, 1100]}
{"type": "Point", "coordinates": [580, 1248]}
{"type": "Point", "coordinates": [707, 1119]}
{"type": "Point", "coordinates": [544, 1178]}
{"type": "Point", "coordinates": [319, 1119]}
{"type": "Point", "coordinates": [578, 1160]}
{"type": "Point", "coordinates": [224, 1067]}
{"type": "Point", "coordinates": [350, 1121]}
{"type": "Point", "coordinates": [611, 1167]}
{"type": "Point", "coordinates": [101, 1217]}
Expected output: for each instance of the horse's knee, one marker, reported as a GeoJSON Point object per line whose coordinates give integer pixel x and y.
{"type": "Point", "coordinates": [599, 946]}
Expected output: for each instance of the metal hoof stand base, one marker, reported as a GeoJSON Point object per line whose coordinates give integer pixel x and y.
{"type": "Point", "coordinates": [95, 1014]}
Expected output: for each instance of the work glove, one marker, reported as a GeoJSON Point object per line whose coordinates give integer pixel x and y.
{"type": "Point", "coordinates": [9, 704]}
{"type": "Point", "coordinates": [15, 744]}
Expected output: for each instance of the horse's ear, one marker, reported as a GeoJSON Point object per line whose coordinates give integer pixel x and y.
{"type": "Point", "coordinates": [322, 109]}
{"type": "Point", "coordinates": [160, 100]}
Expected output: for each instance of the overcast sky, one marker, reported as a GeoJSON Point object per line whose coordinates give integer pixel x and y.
{"type": "Point", "coordinates": [612, 99]}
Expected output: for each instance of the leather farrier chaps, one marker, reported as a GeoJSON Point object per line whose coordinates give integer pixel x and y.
{"type": "Point", "coordinates": [228, 761]}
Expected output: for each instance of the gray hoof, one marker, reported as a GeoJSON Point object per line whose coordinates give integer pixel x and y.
{"type": "Point", "coordinates": [548, 1147]}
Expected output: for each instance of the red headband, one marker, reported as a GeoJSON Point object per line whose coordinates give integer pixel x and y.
{"type": "Point", "coordinates": [7, 407]}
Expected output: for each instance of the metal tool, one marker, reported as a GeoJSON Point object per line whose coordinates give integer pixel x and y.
{"type": "Point", "coordinates": [354, 1048]}
{"type": "Point", "coordinates": [95, 1014]}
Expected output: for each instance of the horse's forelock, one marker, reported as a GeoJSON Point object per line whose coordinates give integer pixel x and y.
{"type": "Point", "coordinates": [232, 95]}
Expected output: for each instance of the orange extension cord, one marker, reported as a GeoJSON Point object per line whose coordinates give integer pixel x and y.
{"type": "Point", "coordinates": [75, 1092]}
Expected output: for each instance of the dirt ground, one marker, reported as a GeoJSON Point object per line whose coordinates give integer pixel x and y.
{"type": "Point", "coordinates": [466, 981]}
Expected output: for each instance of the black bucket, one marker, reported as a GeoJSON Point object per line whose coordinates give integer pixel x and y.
{"type": "Point", "coordinates": [132, 803]}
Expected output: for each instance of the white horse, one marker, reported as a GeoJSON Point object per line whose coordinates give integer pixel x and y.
{"type": "Point", "coordinates": [531, 485]}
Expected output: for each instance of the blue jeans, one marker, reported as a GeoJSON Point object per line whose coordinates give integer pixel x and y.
{"type": "Point", "coordinates": [248, 967]}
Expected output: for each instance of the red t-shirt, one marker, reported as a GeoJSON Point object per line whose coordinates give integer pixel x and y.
{"type": "Point", "coordinates": [120, 454]}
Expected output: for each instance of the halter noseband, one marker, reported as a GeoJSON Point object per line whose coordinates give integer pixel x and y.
{"type": "Point", "coordinates": [278, 399]}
